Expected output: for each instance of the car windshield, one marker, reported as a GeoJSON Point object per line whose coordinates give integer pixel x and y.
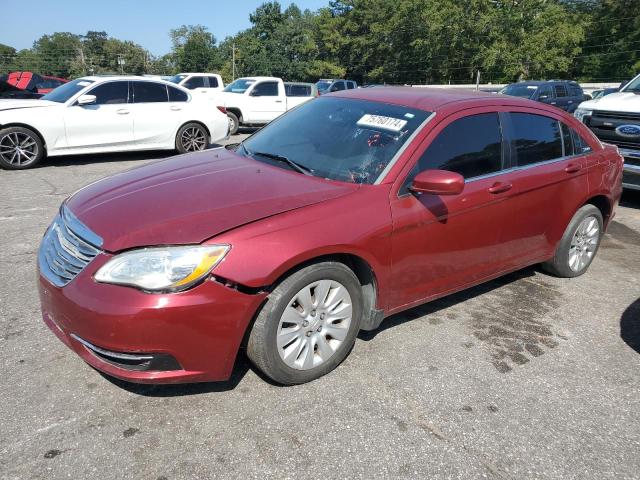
{"type": "Point", "coordinates": [337, 138]}
{"type": "Point", "coordinates": [66, 91]}
{"type": "Point", "coordinates": [240, 85]}
{"type": "Point", "coordinates": [323, 85]}
{"type": "Point", "coordinates": [633, 85]}
{"type": "Point", "coordinates": [523, 91]}
{"type": "Point", "coordinates": [175, 79]}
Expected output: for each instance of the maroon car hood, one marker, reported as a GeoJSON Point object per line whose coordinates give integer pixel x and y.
{"type": "Point", "coordinates": [188, 199]}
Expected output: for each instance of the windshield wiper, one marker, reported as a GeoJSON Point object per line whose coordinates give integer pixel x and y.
{"type": "Point", "coordinates": [281, 158]}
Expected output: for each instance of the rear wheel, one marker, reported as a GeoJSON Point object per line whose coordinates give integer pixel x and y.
{"type": "Point", "coordinates": [234, 123]}
{"type": "Point", "coordinates": [308, 325]}
{"type": "Point", "coordinates": [192, 137]}
{"type": "Point", "coordinates": [579, 244]}
{"type": "Point", "coordinates": [20, 148]}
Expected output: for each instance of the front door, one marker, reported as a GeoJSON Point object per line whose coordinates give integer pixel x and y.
{"type": "Point", "coordinates": [267, 102]}
{"type": "Point", "coordinates": [442, 243]}
{"type": "Point", "coordinates": [107, 123]}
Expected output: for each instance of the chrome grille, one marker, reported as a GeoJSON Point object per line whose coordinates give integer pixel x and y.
{"type": "Point", "coordinates": [63, 252]}
{"type": "Point", "coordinates": [616, 115]}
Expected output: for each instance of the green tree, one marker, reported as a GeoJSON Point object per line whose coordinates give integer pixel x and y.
{"type": "Point", "coordinates": [194, 48]}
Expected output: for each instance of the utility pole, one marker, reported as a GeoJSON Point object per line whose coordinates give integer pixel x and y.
{"type": "Point", "coordinates": [233, 56]}
{"type": "Point", "coordinates": [478, 81]}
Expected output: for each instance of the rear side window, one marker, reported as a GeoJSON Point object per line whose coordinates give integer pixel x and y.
{"type": "Point", "coordinates": [213, 82]}
{"type": "Point", "coordinates": [266, 89]}
{"type": "Point", "coordinates": [149, 92]}
{"type": "Point", "coordinates": [176, 95]}
{"type": "Point", "coordinates": [535, 138]}
{"type": "Point", "coordinates": [111, 93]}
{"type": "Point", "coordinates": [470, 146]}
{"type": "Point", "coordinates": [194, 82]}
{"type": "Point", "coordinates": [560, 90]}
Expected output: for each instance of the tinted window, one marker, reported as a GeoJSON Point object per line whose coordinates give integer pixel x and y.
{"type": "Point", "coordinates": [176, 95]}
{"type": "Point", "coordinates": [567, 140]}
{"type": "Point", "coordinates": [560, 90]}
{"type": "Point", "coordinates": [579, 143]}
{"type": "Point", "coordinates": [470, 146]}
{"type": "Point", "coordinates": [545, 90]}
{"type": "Point", "coordinates": [68, 90]}
{"type": "Point", "coordinates": [535, 138]}
{"type": "Point", "coordinates": [111, 93]}
{"type": "Point", "coordinates": [213, 82]}
{"type": "Point", "coordinates": [266, 89]}
{"type": "Point", "coordinates": [337, 86]}
{"type": "Point", "coordinates": [194, 82]}
{"type": "Point", "coordinates": [575, 91]}
{"type": "Point", "coordinates": [351, 85]}
{"type": "Point", "coordinates": [149, 92]}
{"type": "Point", "coordinates": [297, 90]}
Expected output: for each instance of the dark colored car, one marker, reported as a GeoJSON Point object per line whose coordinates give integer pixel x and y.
{"type": "Point", "coordinates": [329, 85]}
{"type": "Point", "coordinates": [345, 210]}
{"type": "Point", "coordinates": [563, 94]}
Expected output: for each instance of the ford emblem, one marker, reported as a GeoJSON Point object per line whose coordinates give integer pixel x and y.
{"type": "Point", "coordinates": [628, 130]}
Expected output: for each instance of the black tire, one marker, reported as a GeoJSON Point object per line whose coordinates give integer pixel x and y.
{"type": "Point", "coordinates": [31, 148]}
{"type": "Point", "coordinates": [262, 347]}
{"type": "Point", "coordinates": [559, 264]}
{"type": "Point", "coordinates": [234, 123]}
{"type": "Point", "coordinates": [195, 131]}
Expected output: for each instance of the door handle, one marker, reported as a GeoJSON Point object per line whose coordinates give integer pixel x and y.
{"type": "Point", "coordinates": [122, 111]}
{"type": "Point", "coordinates": [175, 108]}
{"type": "Point", "coordinates": [500, 187]}
{"type": "Point", "coordinates": [278, 101]}
{"type": "Point", "coordinates": [572, 168]}
{"type": "Point", "coordinates": [553, 103]}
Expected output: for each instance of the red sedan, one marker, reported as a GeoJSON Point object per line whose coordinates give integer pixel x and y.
{"type": "Point", "coordinates": [347, 209]}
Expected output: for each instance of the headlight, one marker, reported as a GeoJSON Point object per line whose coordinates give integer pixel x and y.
{"type": "Point", "coordinates": [162, 269]}
{"type": "Point", "coordinates": [580, 113]}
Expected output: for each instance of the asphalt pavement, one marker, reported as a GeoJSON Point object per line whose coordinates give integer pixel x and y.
{"type": "Point", "coordinates": [526, 377]}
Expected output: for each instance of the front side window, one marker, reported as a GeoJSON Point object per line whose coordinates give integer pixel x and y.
{"type": "Point", "coordinates": [68, 90]}
{"type": "Point", "coordinates": [545, 92]}
{"type": "Point", "coordinates": [213, 82]}
{"type": "Point", "coordinates": [177, 95]}
{"type": "Point", "coordinates": [470, 146]}
{"type": "Point", "coordinates": [149, 92]}
{"type": "Point", "coordinates": [194, 82]}
{"type": "Point", "coordinates": [265, 89]}
{"type": "Point", "coordinates": [535, 138]}
{"type": "Point", "coordinates": [111, 93]}
{"type": "Point", "coordinates": [341, 139]}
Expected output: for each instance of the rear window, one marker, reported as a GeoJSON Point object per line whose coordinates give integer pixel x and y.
{"type": "Point", "coordinates": [535, 138]}
{"type": "Point", "coordinates": [522, 91]}
{"type": "Point", "coordinates": [297, 90]}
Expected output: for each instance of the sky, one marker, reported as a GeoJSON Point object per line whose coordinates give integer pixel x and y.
{"type": "Point", "coordinates": [146, 22]}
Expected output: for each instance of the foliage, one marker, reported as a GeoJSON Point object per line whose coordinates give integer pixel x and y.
{"type": "Point", "coordinates": [375, 41]}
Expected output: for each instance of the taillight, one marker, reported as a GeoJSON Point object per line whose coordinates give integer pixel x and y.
{"type": "Point", "coordinates": [223, 110]}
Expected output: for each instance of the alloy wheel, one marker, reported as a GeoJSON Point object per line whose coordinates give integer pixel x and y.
{"type": "Point", "coordinates": [193, 139]}
{"type": "Point", "coordinates": [584, 243]}
{"type": "Point", "coordinates": [18, 149]}
{"type": "Point", "coordinates": [314, 324]}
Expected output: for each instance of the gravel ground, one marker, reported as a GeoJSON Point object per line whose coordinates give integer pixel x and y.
{"type": "Point", "coordinates": [528, 376]}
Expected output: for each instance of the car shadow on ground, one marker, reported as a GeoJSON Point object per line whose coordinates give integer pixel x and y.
{"type": "Point", "coordinates": [630, 326]}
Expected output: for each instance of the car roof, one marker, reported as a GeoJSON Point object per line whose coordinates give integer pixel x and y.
{"type": "Point", "coordinates": [430, 99]}
{"type": "Point", "coordinates": [198, 73]}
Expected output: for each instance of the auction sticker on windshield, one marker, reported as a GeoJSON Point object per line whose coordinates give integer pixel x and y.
{"type": "Point", "coordinates": [379, 121]}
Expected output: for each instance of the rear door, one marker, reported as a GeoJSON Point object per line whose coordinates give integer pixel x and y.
{"type": "Point", "coordinates": [154, 121]}
{"type": "Point", "coordinates": [442, 243]}
{"type": "Point", "coordinates": [105, 124]}
{"type": "Point", "coordinates": [548, 180]}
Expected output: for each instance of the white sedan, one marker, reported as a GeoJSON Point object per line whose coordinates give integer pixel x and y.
{"type": "Point", "coordinates": [107, 114]}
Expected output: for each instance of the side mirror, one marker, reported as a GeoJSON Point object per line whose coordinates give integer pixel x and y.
{"type": "Point", "coordinates": [438, 182]}
{"type": "Point", "coordinates": [254, 93]}
{"type": "Point", "coordinates": [86, 99]}
{"type": "Point", "coordinates": [334, 88]}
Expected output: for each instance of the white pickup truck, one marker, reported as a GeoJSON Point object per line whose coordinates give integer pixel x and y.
{"type": "Point", "coordinates": [199, 83]}
{"type": "Point", "coordinates": [615, 119]}
{"type": "Point", "coordinates": [259, 100]}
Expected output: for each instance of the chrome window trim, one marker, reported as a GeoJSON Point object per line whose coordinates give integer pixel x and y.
{"type": "Point", "coordinates": [402, 149]}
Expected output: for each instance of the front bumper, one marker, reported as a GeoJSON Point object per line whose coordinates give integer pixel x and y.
{"type": "Point", "coordinates": [191, 336]}
{"type": "Point", "coordinates": [631, 172]}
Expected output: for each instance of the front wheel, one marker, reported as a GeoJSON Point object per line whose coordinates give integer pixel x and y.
{"type": "Point", "coordinates": [578, 245]}
{"type": "Point", "coordinates": [20, 148]}
{"type": "Point", "coordinates": [308, 324]}
{"type": "Point", "coordinates": [192, 137]}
